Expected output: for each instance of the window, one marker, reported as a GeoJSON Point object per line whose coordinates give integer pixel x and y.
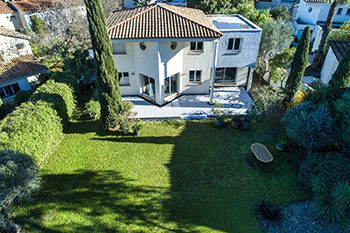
{"type": "Point", "coordinates": [9, 90]}
{"type": "Point", "coordinates": [309, 10]}
{"type": "Point", "coordinates": [339, 11]}
{"type": "Point", "coordinates": [20, 46]}
{"type": "Point", "coordinates": [196, 46]}
{"type": "Point", "coordinates": [124, 79]}
{"type": "Point", "coordinates": [142, 46]}
{"type": "Point", "coordinates": [195, 76]}
{"type": "Point", "coordinates": [348, 11]}
{"type": "Point", "coordinates": [173, 45]}
{"type": "Point", "coordinates": [119, 48]}
{"type": "Point", "coordinates": [225, 75]}
{"type": "Point", "coordinates": [234, 44]}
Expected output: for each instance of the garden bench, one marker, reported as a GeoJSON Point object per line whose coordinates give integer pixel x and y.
{"type": "Point", "coordinates": [261, 152]}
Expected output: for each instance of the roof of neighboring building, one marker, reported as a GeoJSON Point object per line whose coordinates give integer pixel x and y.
{"type": "Point", "coordinates": [161, 21]}
{"type": "Point", "coordinates": [22, 66]}
{"type": "Point", "coordinates": [232, 22]}
{"type": "Point", "coordinates": [4, 8]}
{"type": "Point", "coordinates": [11, 33]}
{"type": "Point", "coordinates": [340, 47]}
{"type": "Point", "coordinates": [31, 6]}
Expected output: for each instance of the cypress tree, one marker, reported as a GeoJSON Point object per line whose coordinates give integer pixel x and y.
{"type": "Point", "coordinates": [340, 79]}
{"type": "Point", "coordinates": [107, 75]}
{"type": "Point", "coordinates": [298, 66]}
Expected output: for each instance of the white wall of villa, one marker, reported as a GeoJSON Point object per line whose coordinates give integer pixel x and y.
{"type": "Point", "coordinates": [329, 67]}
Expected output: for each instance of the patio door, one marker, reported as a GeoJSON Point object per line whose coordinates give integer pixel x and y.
{"type": "Point", "coordinates": [171, 85]}
{"type": "Point", "coordinates": [148, 86]}
{"type": "Point", "coordinates": [226, 75]}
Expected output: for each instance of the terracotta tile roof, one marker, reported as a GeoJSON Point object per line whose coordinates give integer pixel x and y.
{"type": "Point", "coordinates": [11, 33]}
{"type": "Point", "coordinates": [30, 6]}
{"type": "Point", "coordinates": [161, 21]}
{"type": "Point", "coordinates": [20, 67]}
{"type": "Point", "coordinates": [340, 47]}
{"type": "Point", "coordinates": [4, 8]}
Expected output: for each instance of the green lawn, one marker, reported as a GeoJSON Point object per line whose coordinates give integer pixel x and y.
{"type": "Point", "coordinates": [178, 176]}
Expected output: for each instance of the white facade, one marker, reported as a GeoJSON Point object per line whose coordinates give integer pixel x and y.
{"type": "Point", "coordinates": [173, 68]}
{"type": "Point", "coordinates": [329, 67]}
{"type": "Point", "coordinates": [10, 21]}
{"type": "Point", "coordinates": [314, 15]}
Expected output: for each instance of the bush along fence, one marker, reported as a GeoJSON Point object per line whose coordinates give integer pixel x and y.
{"type": "Point", "coordinates": [35, 127]}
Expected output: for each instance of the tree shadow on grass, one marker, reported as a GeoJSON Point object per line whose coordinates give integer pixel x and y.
{"type": "Point", "coordinates": [211, 183]}
{"type": "Point", "coordinates": [104, 198]}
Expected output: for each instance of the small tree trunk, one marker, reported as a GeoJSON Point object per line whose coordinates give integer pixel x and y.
{"type": "Point", "coordinates": [318, 60]}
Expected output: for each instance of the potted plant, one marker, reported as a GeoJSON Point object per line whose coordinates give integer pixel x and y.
{"type": "Point", "coordinates": [219, 114]}
{"type": "Point", "coordinates": [136, 127]}
{"type": "Point", "coordinates": [236, 122]}
{"type": "Point", "coordinates": [125, 127]}
{"type": "Point", "coordinates": [246, 123]}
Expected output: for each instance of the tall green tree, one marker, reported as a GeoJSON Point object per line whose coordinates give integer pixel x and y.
{"type": "Point", "coordinates": [320, 56]}
{"type": "Point", "coordinates": [298, 66]}
{"type": "Point", "coordinates": [340, 79]}
{"type": "Point", "coordinates": [107, 75]}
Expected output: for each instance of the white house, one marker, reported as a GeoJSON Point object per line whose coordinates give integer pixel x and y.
{"type": "Point", "coordinates": [128, 4]}
{"type": "Point", "coordinates": [336, 52]}
{"type": "Point", "coordinates": [18, 67]}
{"type": "Point", "coordinates": [314, 13]}
{"type": "Point", "coordinates": [163, 51]}
{"type": "Point", "coordinates": [9, 16]}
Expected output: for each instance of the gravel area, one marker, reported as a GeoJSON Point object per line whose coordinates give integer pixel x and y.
{"type": "Point", "coordinates": [298, 218]}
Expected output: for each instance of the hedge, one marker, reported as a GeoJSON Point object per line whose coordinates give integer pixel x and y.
{"type": "Point", "coordinates": [67, 78]}
{"type": "Point", "coordinates": [60, 95]}
{"type": "Point", "coordinates": [32, 129]}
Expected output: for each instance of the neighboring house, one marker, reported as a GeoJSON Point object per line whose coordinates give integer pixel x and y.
{"type": "Point", "coordinates": [18, 67]}
{"type": "Point", "coordinates": [336, 52]}
{"type": "Point", "coordinates": [9, 17]}
{"type": "Point", "coordinates": [132, 3]}
{"type": "Point", "coordinates": [16, 14]}
{"type": "Point", "coordinates": [164, 51]}
{"type": "Point", "coordinates": [265, 4]}
{"type": "Point", "coordinates": [314, 13]}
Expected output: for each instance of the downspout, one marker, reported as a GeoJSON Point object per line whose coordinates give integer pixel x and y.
{"type": "Point", "coordinates": [213, 73]}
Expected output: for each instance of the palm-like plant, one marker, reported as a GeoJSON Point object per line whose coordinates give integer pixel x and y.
{"type": "Point", "coordinates": [326, 30]}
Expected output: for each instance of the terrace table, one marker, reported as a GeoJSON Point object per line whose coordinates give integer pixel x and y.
{"type": "Point", "coordinates": [261, 152]}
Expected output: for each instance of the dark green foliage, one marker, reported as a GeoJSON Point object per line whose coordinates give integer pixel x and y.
{"type": "Point", "coordinates": [340, 79]}
{"type": "Point", "coordinates": [18, 180]}
{"type": "Point", "coordinates": [38, 25]}
{"type": "Point", "coordinates": [320, 95]}
{"type": "Point", "coordinates": [32, 129]}
{"type": "Point", "coordinates": [267, 100]}
{"type": "Point", "coordinates": [5, 109]}
{"type": "Point", "coordinates": [268, 214]}
{"type": "Point", "coordinates": [21, 97]}
{"type": "Point", "coordinates": [329, 167]}
{"type": "Point", "coordinates": [59, 95]}
{"type": "Point", "coordinates": [342, 113]}
{"type": "Point", "coordinates": [331, 205]}
{"type": "Point", "coordinates": [213, 6]}
{"type": "Point", "coordinates": [66, 78]}
{"type": "Point", "coordinates": [107, 75]}
{"type": "Point", "coordinates": [311, 126]}
{"type": "Point", "coordinates": [298, 66]}
{"type": "Point", "coordinates": [281, 13]}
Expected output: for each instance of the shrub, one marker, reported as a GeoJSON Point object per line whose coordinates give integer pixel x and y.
{"type": "Point", "coordinates": [268, 99]}
{"type": "Point", "coordinates": [281, 13]}
{"type": "Point", "coordinates": [18, 180]}
{"type": "Point", "coordinates": [342, 113]}
{"type": "Point", "coordinates": [38, 25]}
{"type": "Point", "coordinates": [269, 214]}
{"type": "Point", "coordinates": [59, 95]}
{"type": "Point", "coordinates": [331, 205]}
{"type": "Point", "coordinates": [329, 167]}
{"type": "Point", "coordinates": [31, 129]}
{"type": "Point", "coordinates": [21, 97]}
{"type": "Point", "coordinates": [93, 108]}
{"type": "Point", "coordinates": [310, 125]}
{"type": "Point", "coordinates": [5, 109]}
{"type": "Point", "coordinates": [66, 78]}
